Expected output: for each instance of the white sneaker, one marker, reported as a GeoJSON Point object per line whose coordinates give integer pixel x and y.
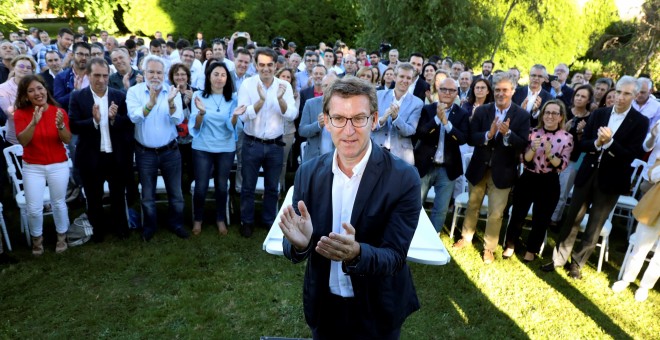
{"type": "Point", "coordinates": [619, 286]}
{"type": "Point", "coordinates": [641, 294]}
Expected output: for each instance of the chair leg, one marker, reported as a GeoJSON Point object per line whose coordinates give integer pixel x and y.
{"type": "Point", "coordinates": [603, 245]}
{"type": "Point", "coordinates": [453, 221]}
{"type": "Point", "coordinates": [4, 231]}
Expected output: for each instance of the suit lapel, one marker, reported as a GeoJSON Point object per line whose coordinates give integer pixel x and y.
{"type": "Point", "coordinates": [626, 125]}
{"type": "Point", "coordinates": [325, 178]}
{"type": "Point", "coordinates": [370, 177]}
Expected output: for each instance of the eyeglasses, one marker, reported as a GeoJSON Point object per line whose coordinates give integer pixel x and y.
{"type": "Point", "coordinates": [349, 62]}
{"type": "Point", "coordinates": [357, 121]}
{"type": "Point", "coordinates": [97, 54]}
{"type": "Point", "coordinates": [311, 61]}
{"type": "Point", "coordinates": [24, 67]}
{"type": "Point", "coordinates": [446, 90]}
{"type": "Point", "coordinates": [552, 113]}
{"type": "Point", "coordinates": [82, 55]}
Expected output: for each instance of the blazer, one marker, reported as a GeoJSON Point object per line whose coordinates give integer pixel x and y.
{"type": "Point", "coordinates": [428, 136]}
{"type": "Point", "coordinates": [402, 128]}
{"type": "Point", "coordinates": [566, 94]}
{"type": "Point", "coordinates": [63, 85]}
{"type": "Point", "coordinates": [503, 160]}
{"type": "Point", "coordinates": [481, 76]}
{"type": "Point", "coordinates": [310, 129]}
{"type": "Point", "coordinates": [305, 95]}
{"type": "Point", "coordinates": [385, 217]}
{"type": "Point", "coordinates": [89, 137]}
{"type": "Point", "coordinates": [614, 170]}
{"type": "Point", "coordinates": [49, 80]}
{"type": "Point", "coordinates": [521, 94]}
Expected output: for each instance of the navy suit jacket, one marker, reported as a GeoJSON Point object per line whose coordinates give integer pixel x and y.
{"type": "Point", "coordinates": [310, 128]}
{"type": "Point", "coordinates": [89, 137]}
{"type": "Point", "coordinates": [428, 136]}
{"type": "Point", "coordinates": [566, 94]}
{"type": "Point", "coordinates": [614, 168]}
{"type": "Point", "coordinates": [385, 217]}
{"type": "Point", "coordinates": [502, 159]}
{"type": "Point", "coordinates": [49, 80]}
{"type": "Point", "coordinates": [305, 95]}
{"type": "Point", "coordinates": [520, 95]}
{"type": "Point", "coordinates": [63, 85]}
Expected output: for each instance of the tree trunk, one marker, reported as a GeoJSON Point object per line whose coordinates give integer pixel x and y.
{"type": "Point", "coordinates": [499, 37]}
{"type": "Point", "coordinates": [652, 51]}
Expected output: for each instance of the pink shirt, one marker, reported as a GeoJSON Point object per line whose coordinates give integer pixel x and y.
{"type": "Point", "coordinates": [562, 145]}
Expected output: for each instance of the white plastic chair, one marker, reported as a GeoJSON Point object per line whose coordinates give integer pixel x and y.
{"type": "Point", "coordinates": [626, 204]}
{"type": "Point", "coordinates": [461, 201]}
{"type": "Point", "coordinates": [4, 229]}
{"type": "Point", "coordinates": [604, 238]}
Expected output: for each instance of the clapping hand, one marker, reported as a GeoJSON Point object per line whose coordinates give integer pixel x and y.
{"type": "Point", "coordinates": [339, 247]}
{"type": "Point", "coordinates": [173, 92]}
{"type": "Point", "coordinates": [296, 228]}
{"type": "Point", "coordinates": [200, 104]}
{"type": "Point", "coordinates": [440, 113]}
{"type": "Point", "coordinates": [38, 112]}
{"type": "Point", "coordinates": [604, 135]}
{"type": "Point", "coordinates": [112, 112]}
{"type": "Point", "coordinates": [503, 127]}
{"type": "Point", "coordinates": [96, 114]}
{"type": "Point", "coordinates": [321, 120]}
{"type": "Point", "coordinates": [238, 112]}
{"type": "Point", "coordinates": [547, 147]}
{"type": "Point", "coordinates": [536, 143]}
{"type": "Point", "coordinates": [59, 119]}
{"type": "Point", "coordinates": [281, 89]}
{"type": "Point", "coordinates": [493, 127]}
{"type": "Point", "coordinates": [261, 92]}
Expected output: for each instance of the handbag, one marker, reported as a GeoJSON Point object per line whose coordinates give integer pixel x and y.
{"type": "Point", "coordinates": [647, 210]}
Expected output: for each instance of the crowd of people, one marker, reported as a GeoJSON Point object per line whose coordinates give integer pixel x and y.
{"type": "Point", "coordinates": [183, 112]}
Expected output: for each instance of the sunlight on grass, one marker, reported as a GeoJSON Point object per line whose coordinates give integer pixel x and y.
{"type": "Point", "coordinates": [460, 311]}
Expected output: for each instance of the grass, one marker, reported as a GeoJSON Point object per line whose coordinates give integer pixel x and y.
{"type": "Point", "coordinates": [228, 288]}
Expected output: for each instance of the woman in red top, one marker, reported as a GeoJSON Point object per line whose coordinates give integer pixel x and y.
{"type": "Point", "coordinates": [43, 128]}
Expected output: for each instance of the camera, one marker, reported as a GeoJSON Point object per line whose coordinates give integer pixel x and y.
{"type": "Point", "coordinates": [385, 47]}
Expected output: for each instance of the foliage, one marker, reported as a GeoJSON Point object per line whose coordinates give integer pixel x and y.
{"type": "Point", "coordinates": [98, 13]}
{"type": "Point", "coordinates": [631, 47]}
{"type": "Point", "coordinates": [461, 29]}
{"type": "Point", "coordinates": [9, 21]}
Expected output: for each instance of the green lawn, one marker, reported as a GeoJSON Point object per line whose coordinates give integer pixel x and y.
{"type": "Point", "coordinates": [228, 288]}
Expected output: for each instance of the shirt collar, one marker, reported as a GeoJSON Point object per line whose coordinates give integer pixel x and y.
{"type": "Point", "coordinates": [497, 110]}
{"type": "Point", "coordinates": [624, 113]}
{"type": "Point", "coordinates": [358, 169]}
{"type": "Point", "coordinates": [105, 95]}
{"type": "Point", "coordinates": [531, 92]}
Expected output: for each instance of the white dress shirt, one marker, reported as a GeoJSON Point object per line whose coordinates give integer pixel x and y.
{"type": "Point", "coordinates": [531, 100]}
{"type": "Point", "coordinates": [103, 125]}
{"type": "Point", "coordinates": [650, 109]}
{"type": "Point", "coordinates": [439, 157]}
{"type": "Point", "coordinates": [344, 190]}
{"type": "Point", "coordinates": [268, 123]}
{"type": "Point", "coordinates": [158, 128]}
{"type": "Point", "coordinates": [614, 123]}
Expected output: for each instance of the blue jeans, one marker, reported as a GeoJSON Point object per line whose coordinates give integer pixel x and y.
{"type": "Point", "coordinates": [444, 187]}
{"type": "Point", "coordinates": [169, 162]}
{"type": "Point", "coordinates": [206, 164]}
{"type": "Point", "coordinates": [269, 157]}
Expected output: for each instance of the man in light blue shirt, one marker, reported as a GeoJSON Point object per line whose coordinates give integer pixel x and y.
{"type": "Point", "coordinates": [156, 111]}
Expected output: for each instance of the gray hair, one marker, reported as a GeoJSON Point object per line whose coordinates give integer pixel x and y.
{"type": "Point", "coordinates": [405, 67]}
{"type": "Point", "coordinates": [348, 87]}
{"type": "Point", "coordinates": [152, 58]}
{"type": "Point", "coordinates": [541, 68]}
{"type": "Point", "coordinates": [625, 80]}
{"type": "Point", "coordinates": [6, 42]}
{"type": "Point", "coordinates": [649, 83]}
{"type": "Point", "coordinates": [504, 76]}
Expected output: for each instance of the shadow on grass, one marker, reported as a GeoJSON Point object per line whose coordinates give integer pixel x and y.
{"type": "Point", "coordinates": [457, 307]}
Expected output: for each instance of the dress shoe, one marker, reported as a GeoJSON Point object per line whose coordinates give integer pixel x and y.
{"type": "Point", "coordinates": [462, 243]}
{"type": "Point", "coordinates": [488, 256]}
{"type": "Point", "coordinates": [641, 294]}
{"type": "Point", "coordinates": [574, 271]}
{"type": "Point", "coordinates": [548, 267]}
{"type": "Point", "coordinates": [61, 245]}
{"type": "Point", "coordinates": [620, 286]}
{"type": "Point", "coordinates": [38, 246]}
{"type": "Point", "coordinates": [507, 253]}
{"type": "Point", "coordinates": [181, 233]}
{"type": "Point", "coordinates": [247, 229]}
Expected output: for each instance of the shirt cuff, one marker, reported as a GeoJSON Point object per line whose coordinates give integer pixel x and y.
{"type": "Point", "coordinates": [448, 127]}
{"type": "Point", "coordinates": [608, 144]}
{"type": "Point", "coordinates": [96, 125]}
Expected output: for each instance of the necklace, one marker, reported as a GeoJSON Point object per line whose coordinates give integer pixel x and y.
{"type": "Point", "coordinates": [216, 103]}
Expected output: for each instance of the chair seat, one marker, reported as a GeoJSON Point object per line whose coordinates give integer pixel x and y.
{"type": "Point", "coordinates": [605, 232]}
{"type": "Point", "coordinates": [461, 201]}
{"type": "Point", "coordinates": [626, 202]}
{"type": "Point", "coordinates": [20, 198]}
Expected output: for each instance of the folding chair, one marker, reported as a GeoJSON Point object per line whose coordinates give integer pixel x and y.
{"type": "Point", "coordinates": [626, 204]}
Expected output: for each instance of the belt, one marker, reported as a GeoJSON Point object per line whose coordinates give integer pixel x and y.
{"type": "Point", "coordinates": [438, 165]}
{"type": "Point", "coordinates": [276, 140]}
{"type": "Point", "coordinates": [169, 146]}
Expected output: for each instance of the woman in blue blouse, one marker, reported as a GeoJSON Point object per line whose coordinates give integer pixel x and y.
{"type": "Point", "coordinates": [212, 124]}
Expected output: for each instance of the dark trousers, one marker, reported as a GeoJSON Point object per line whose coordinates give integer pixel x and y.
{"type": "Point", "coordinates": [601, 204]}
{"type": "Point", "coordinates": [211, 164]}
{"type": "Point", "coordinates": [187, 174]}
{"type": "Point", "coordinates": [543, 191]}
{"type": "Point", "coordinates": [341, 318]}
{"type": "Point", "coordinates": [269, 157]}
{"type": "Point", "coordinates": [110, 170]}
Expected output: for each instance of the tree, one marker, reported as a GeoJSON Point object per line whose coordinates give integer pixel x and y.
{"type": "Point", "coordinates": [532, 8]}
{"type": "Point", "coordinates": [9, 20]}
{"type": "Point", "coordinates": [100, 14]}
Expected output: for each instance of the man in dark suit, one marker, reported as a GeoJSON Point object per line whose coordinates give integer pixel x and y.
{"type": "Point", "coordinates": [486, 71]}
{"type": "Point", "coordinates": [612, 139]}
{"type": "Point", "coordinates": [498, 132]}
{"type": "Point", "coordinates": [312, 124]}
{"type": "Point", "coordinates": [200, 42]}
{"type": "Point", "coordinates": [442, 128]}
{"type": "Point", "coordinates": [532, 97]}
{"type": "Point", "coordinates": [353, 226]}
{"type": "Point", "coordinates": [73, 78]}
{"type": "Point", "coordinates": [105, 149]}
{"type": "Point", "coordinates": [558, 88]}
{"type": "Point", "coordinates": [54, 67]}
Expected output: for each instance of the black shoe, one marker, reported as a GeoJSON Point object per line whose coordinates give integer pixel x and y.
{"type": "Point", "coordinates": [574, 271]}
{"type": "Point", "coordinates": [181, 232]}
{"type": "Point", "coordinates": [147, 235]}
{"type": "Point", "coordinates": [98, 236]}
{"type": "Point", "coordinates": [548, 267]}
{"type": "Point", "coordinates": [246, 229]}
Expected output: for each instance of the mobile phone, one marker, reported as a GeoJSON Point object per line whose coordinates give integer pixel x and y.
{"type": "Point", "coordinates": [552, 77]}
{"type": "Point", "coordinates": [242, 35]}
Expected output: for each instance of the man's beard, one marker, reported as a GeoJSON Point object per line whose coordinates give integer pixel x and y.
{"type": "Point", "coordinates": [156, 85]}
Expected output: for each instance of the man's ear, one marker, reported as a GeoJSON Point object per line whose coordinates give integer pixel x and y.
{"type": "Point", "coordinates": [375, 120]}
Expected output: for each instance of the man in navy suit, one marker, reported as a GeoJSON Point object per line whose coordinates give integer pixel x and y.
{"type": "Point", "coordinates": [442, 128]}
{"type": "Point", "coordinates": [499, 133]}
{"type": "Point", "coordinates": [612, 139]}
{"type": "Point", "coordinates": [353, 226]}
{"type": "Point", "coordinates": [105, 149]}
{"type": "Point", "coordinates": [532, 97]}
{"type": "Point", "coordinates": [558, 88]}
{"type": "Point", "coordinates": [312, 124]}
{"type": "Point", "coordinates": [486, 71]}
{"type": "Point", "coordinates": [73, 78]}
{"type": "Point", "coordinates": [54, 67]}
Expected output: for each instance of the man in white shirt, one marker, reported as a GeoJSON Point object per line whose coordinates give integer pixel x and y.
{"type": "Point", "coordinates": [357, 284]}
{"type": "Point", "coordinates": [646, 105]}
{"type": "Point", "coordinates": [611, 140]}
{"type": "Point", "coordinates": [269, 103]}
